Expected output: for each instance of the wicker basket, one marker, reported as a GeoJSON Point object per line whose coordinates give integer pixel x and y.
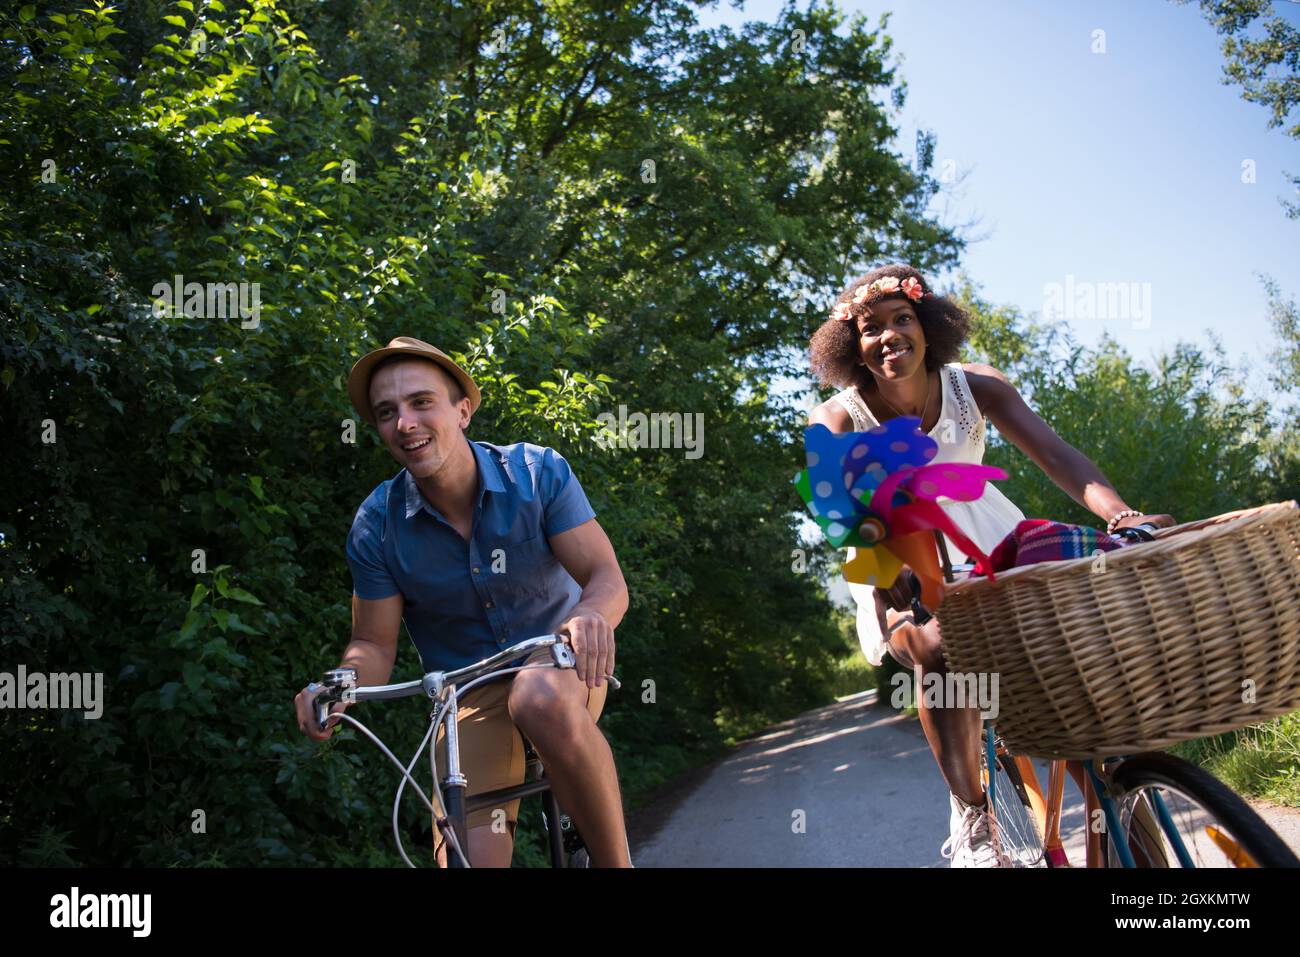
{"type": "Point", "coordinates": [1144, 646]}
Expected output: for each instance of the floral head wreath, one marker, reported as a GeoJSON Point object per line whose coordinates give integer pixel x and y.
{"type": "Point", "coordinates": [910, 287]}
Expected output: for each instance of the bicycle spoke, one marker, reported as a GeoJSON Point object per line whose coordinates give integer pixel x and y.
{"type": "Point", "coordinates": [1152, 846]}
{"type": "Point", "coordinates": [1015, 820]}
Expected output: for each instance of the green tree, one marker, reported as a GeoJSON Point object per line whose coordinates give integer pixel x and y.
{"type": "Point", "coordinates": [1266, 65]}
{"type": "Point", "coordinates": [477, 176]}
{"type": "Point", "coordinates": [1282, 448]}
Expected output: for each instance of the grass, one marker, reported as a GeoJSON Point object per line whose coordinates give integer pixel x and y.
{"type": "Point", "coordinates": [1261, 761]}
{"type": "Point", "coordinates": [852, 674]}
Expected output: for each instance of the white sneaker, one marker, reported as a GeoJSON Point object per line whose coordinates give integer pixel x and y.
{"type": "Point", "coordinates": [973, 841]}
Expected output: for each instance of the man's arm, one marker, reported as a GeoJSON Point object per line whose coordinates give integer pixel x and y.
{"type": "Point", "coordinates": [373, 647]}
{"type": "Point", "coordinates": [371, 652]}
{"type": "Point", "coordinates": [586, 554]}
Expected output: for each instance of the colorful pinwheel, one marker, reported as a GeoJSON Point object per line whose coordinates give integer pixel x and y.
{"type": "Point", "coordinates": [875, 491]}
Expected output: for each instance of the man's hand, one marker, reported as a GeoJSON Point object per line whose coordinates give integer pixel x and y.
{"type": "Point", "coordinates": [305, 706]}
{"type": "Point", "coordinates": [592, 639]}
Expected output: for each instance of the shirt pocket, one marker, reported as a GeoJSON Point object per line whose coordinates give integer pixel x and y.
{"type": "Point", "coordinates": [523, 567]}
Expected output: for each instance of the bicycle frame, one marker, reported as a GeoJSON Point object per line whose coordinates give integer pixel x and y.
{"type": "Point", "coordinates": [459, 806]}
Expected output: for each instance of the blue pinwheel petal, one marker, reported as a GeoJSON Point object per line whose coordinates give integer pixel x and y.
{"type": "Point", "coordinates": [889, 447]}
{"type": "Point", "coordinates": [827, 481]}
{"type": "Point", "coordinates": [843, 470]}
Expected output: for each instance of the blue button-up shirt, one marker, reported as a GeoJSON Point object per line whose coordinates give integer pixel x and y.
{"type": "Point", "coordinates": [466, 600]}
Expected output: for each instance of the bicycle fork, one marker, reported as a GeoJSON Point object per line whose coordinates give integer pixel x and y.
{"type": "Point", "coordinates": [454, 785]}
{"type": "Point", "coordinates": [1046, 809]}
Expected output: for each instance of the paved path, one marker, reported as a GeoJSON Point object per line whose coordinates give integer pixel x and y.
{"type": "Point", "coordinates": [852, 784]}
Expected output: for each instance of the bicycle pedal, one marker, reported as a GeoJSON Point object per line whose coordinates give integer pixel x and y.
{"type": "Point", "coordinates": [573, 841]}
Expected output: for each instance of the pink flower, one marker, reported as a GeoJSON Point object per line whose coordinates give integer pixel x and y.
{"type": "Point", "coordinates": [912, 288]}
{"type": "Point", "coordinates": [840, 312]}
{"type": "Point", "coordinates": [863, 292]}
{"type": "Point", "coordinates": [886, 284]}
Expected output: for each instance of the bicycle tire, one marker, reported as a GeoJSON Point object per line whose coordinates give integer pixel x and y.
{"type": "Point", "coordinates": [1140, 776]}
{"type": "Point", "coordinates": [1016, 823]}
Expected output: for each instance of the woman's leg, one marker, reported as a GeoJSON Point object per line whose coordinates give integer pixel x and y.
{"type": "Point", "coordinates": [953, 733]}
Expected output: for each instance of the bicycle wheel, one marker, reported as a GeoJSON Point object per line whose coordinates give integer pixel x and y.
{"type": "Point", "coordinates": [1017, 824]}
{"type": "Point", "coordinates": [1178, 813]}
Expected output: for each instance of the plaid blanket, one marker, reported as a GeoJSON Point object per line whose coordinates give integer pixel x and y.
{"type": "Point", "coordinates": [1042, 540]}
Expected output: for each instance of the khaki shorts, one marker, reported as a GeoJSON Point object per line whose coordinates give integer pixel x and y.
{"type": "Point", "coordinates": [491, 749]}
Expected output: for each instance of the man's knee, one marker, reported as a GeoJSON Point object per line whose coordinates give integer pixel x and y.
{"type": "Point", "coordinates": [548, 706]}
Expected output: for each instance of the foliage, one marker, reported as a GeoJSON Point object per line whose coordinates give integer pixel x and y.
{"type": "Point", "coordinates": [1262, 760]}
{"type": "Point", "coordinates": [474, 175]}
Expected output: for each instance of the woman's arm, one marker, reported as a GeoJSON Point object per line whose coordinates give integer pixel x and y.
{"type": "Point", "coordinates": [1073, 472]}
{"type": "Point", "coordinates": [832, 415]}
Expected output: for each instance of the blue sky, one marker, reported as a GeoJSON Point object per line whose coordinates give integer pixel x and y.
{"type": "Point", "coordinates": [1115, 167]}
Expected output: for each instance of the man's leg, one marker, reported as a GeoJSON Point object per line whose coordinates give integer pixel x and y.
{"type": "Point", "coordinates": [551, 706]}
{"type": "Point", "coordinates": [487, 848]}
{"type": "Point", "coordinates": [491, 757]}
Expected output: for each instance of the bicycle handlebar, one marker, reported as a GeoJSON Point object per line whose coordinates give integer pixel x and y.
{"type": "Point", "coordinates": [1133, 534]}
{"type": "Point", "coordinates": [340, 683]}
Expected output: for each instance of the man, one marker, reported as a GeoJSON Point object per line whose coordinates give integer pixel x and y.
{"type": "Point", "coordinates": [477, 547]}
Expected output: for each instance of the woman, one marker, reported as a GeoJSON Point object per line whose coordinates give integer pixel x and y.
{"type": "Point", "coordinates": [891, 345]}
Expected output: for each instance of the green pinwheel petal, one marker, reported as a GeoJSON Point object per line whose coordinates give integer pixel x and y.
{"type": "Point", "coordinates": [839, 533]}
{"type": "Point", "coordinates": [804, 488]}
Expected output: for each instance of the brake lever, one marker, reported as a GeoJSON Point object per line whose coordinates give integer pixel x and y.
{"type": "Point", "coordinates": [563, 657]}
{"type": "Point", "coordinates": [336, 687]}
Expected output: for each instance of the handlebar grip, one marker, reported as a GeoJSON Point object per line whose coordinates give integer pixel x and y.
{"type": "Point", "coordinates": [339, 685]}
{"type": "Point", "coordinates": [1137, 533]}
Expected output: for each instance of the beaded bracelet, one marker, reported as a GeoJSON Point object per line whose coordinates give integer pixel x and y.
{"type": "Point", "coordinates": [1110, 526]}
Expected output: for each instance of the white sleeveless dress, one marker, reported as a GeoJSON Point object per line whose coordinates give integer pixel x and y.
{"type": "Point", "coordinates": [986, 521]}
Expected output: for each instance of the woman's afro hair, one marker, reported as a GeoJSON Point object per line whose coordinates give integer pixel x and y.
{"type": "Point", "coordinates": [834, 351]}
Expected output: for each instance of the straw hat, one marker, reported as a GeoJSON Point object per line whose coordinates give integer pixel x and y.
{"type": "Point", "coordinates": [359, 377]}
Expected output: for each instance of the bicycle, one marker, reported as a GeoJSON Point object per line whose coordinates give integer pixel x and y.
{"type": "Point", "coordinates": [444, 689]}
{"type": "Point", "coordinates": [1143, 810]}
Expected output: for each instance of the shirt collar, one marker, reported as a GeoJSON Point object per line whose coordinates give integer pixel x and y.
{"type": "Point", "coordinates": [489, 474]}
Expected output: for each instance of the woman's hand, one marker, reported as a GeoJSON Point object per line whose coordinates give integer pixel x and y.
{"type": "Point", "coordinates": [898, 596]}
{"type": "Point", "coordinates": [1133, 521]}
